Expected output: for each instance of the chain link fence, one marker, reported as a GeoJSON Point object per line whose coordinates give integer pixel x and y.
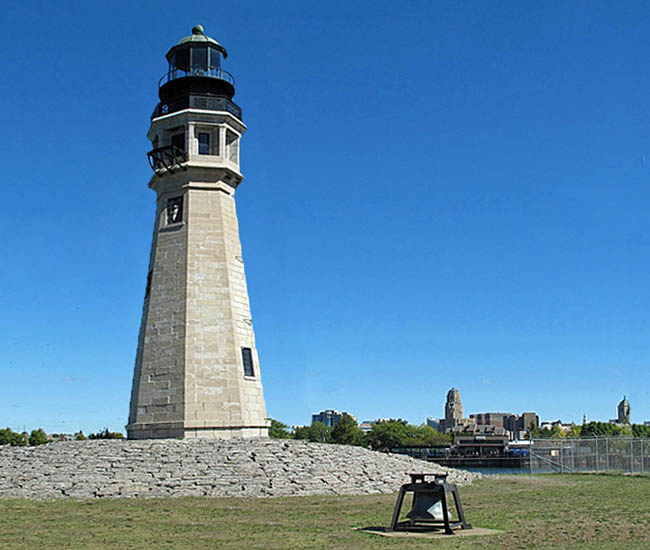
{"type": "Point", "coordinates": [597, 454]}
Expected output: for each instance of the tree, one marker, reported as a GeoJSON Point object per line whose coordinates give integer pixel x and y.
{"type": "Point", "coordinates": [557, 432]}
{"type": "Point", "coordinates": [278, 430]}
{"type": "Point", "coordinates": [79, 436]}
{"type": "Point", "coordinates": [640, 430]}
{"type": "Point", "coordinates": [301, 432]}
{"type": "Point", "coordinates": [105, 434]}
{"type": "Point", "coordinates": [575, 431]}
{"type": "Point", "coordinates": [424, 436]}
{"type": "Point", "coordinates": [37, 437]}
{"type": "Point", "coordinates": [9, 437]}
{"type": "Point", "coordinates": [346, 432]}
{"type": "Point", "coordinates": [319, 433]}
{"type": "Point", "coordinates": [386, 435]}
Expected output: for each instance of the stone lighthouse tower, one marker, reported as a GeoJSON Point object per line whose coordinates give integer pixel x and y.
{"type": "Point", "coordinates": [197, 371]}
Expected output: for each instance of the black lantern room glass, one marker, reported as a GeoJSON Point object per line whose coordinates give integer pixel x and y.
{"type": "Point", "coordinates": [195, 60]}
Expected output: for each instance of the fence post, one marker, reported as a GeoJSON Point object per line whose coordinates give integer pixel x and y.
{"type": "Point", "coordinates": [561, 457]}
{"type": "Point", "coordinates": [530, 453]}
{"type": "Point", "coordinates": [607, 451]}
{"type": "Point", "coordinates": [631, 455]}
{"type": "Point", "coordinates": [596, 455]}
{"type": "Point", "coordinates": [642, 457]}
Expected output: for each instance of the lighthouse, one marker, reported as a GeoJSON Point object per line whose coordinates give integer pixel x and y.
{"type": "Point", "coordinates": [197, 369]}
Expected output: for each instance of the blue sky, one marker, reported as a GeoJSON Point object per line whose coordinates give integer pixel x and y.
{"type": "Point", "coordinates": [436, 194]}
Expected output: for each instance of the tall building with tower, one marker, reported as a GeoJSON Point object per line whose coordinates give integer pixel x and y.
{"type": "Point", "coordinates": [453, 409]}
{"type": "Point", "coordinates": [197, 370]}
{"type": "Point", "coordinates": [623, 411]}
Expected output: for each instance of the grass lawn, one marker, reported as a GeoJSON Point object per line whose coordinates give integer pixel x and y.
{"type": "Point", "coordinates": [537, 512]}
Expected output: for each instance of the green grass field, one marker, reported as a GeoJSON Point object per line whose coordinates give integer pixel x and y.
{"type": "Point", "coordinates": [536, 512]}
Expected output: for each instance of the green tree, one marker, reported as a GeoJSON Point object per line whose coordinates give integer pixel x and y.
{"type": "Point", "coordinates": [640, 430]}
{"type": "Point", "coordinates": [386, 435]}
{"type": "Point", "coordinates": [106, 434]}
{"type": "Point", "coordinates": [591, 429]}
{"type": "Point", "coordinates": [424, 436]}
{"type": "Point", "coordinates": [575, 431]}
{"type": "Point", "coordinates": [557, 432]}
{"type": "Point", "coordinates": [79, 436]}
{"type": "Point", "coordinates": [9, 437]}
{"type": "Point", "coordinates": [278, 430]}
{"type": "Point", "coordinates": [346, 432]}
{"type": "Point", "coordinates": [37, 437]}
{"type": "Point", "coordinates": [319, 433]}
{"type": "Point", "coordinates": [301, 432]}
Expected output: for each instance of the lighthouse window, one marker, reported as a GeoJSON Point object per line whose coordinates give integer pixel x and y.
{"type": "Point", "coordinates": [174, 210]}
{"type": "Point", "coordinates": [181, 59]}
{"type": "Point", "coordinates": [178, 140]}
{"type": "Point", "coordinates": [247, 357]}
{"type": "Point", "coordinates": [199, 60]}
{"type": "Point", "coordinates": [214, 58]}
{"type": "Point", "coordinates": [147, 290]}
{"type": "Point", "coordinates": [232, 146]}
{"type": "Point", "coordinates": [204, 143]}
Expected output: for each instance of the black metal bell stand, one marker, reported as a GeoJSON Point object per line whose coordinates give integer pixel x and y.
{"type": "Point", "coordinates": [429, 505]}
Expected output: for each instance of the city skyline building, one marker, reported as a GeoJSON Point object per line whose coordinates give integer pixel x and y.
{"type": "Point", "coordinates": [330, 417]}
{"type": "Point", "coordinates": [623, 411]}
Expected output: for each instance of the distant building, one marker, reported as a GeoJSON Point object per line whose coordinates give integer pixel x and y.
{"type": "Point", "coordinates": [485, 445]}
{"type": "Point", "coordinates": [479, 429]}
{"type": "Point", "coordinates": [453, 413]}
{"type": "Point", "coordinates": [330, 417]}
{"type": "Point", "coordinates": [436, 423]}
{"type": "Point", "coordinates": [453, 408]}
{"type": "Point", "coordinates": [623, 411]}
{"type": "Point", "coordinates": [365, 426]}
{"type": "Point", "coordinates": [550, 424]}
{"type": "Point", "coordinates": [513, 425]}
{"type": "Point", "coordinates": [490, 418]}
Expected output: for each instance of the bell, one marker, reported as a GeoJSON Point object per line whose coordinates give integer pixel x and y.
{"type": "Point", "coordinates": [426, 506]}
{"type": "Point", "coordinates": [429, 509]}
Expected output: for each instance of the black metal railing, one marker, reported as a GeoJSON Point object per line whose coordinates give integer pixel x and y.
{"type": "Point", "coordinates": [212, 72]}
{"type": "Point", "coordinates": [205, 102]}
{"type": "Point", "coordinates": [166, 159]}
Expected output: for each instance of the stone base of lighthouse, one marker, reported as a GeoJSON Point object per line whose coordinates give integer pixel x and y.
{"type": "Point", "coordinates": [197, 369]}
{"type": "Point", "coordinates": [171, 431]}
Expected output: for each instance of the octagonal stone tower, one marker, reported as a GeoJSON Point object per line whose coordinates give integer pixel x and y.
{"type": "Point", "coordinates": [197, 369]}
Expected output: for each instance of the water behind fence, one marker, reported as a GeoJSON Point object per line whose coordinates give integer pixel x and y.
{"type": "Point", "coordinates": [598, 454]}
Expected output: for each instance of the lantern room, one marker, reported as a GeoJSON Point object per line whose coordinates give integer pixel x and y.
{"type": "Point", "coordinates": [194, 68]}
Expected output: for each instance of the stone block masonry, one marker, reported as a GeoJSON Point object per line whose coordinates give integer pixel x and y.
{"type": "Point", "coordinates": [259, 467]}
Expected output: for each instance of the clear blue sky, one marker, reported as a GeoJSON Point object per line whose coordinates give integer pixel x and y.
{"type": "Point", "coordinates": [436, 194]}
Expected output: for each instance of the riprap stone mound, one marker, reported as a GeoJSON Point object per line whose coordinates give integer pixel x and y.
{"type": "Point", "coordinates": [214, 468]}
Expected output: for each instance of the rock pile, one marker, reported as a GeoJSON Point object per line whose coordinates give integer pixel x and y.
{"type": "Point", "coordinates": [161, 468]}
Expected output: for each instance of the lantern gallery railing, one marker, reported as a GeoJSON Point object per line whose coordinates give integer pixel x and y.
{"type": "Point", "coordinates": [212, 72]}
{"type": "Point", "coordinates": [205, 102]}
{"type": "Point", "coordinates": [167, 158]}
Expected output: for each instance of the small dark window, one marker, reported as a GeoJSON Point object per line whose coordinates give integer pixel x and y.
{"type": "Point", "coordinates": [214, 58]}
{"type": "Point", "coordinates": [199, 60]}
{"type": "Point", "coordinates": [247, 356]}
{"type": "Point", "coordinates": [181, 59]}
{"type": "Point", "coordinates": [174, 210]}
{"type": "Point", "coordinates": [178, 140]}
{"type": "Point", "coordinates": [204, 143]}
{"type": "Point", "coordinates": [148, 289]}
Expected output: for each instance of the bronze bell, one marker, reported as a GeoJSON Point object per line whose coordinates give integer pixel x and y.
{"type": "Point", "coordinates": [426, 506]}
{"type": "Point", "coordinates": [429, 509]}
